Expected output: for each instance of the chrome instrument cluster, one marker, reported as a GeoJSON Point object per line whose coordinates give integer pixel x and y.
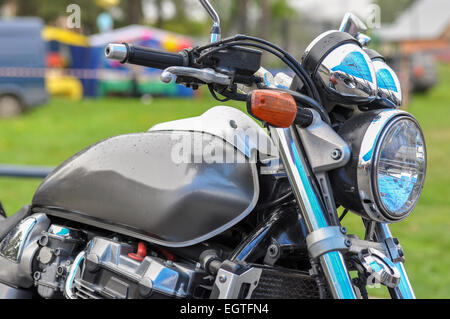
{"type": "Point", "coordinates": [350, 74]}
{"type": "Point", "coordinates": [389, 90]}
{"type": "Point", "coordinates": [339, 65]}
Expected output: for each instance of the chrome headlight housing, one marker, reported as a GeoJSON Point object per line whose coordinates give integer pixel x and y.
{"type": "Point", "coordinates": [385, 176]}
{"type": "Point", "coordinates": [341, 68]}
{"type": "Point", "coordinates": [389, 90]}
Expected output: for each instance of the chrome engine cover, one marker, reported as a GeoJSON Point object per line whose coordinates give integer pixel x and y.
{"type": "Point", "coordinates": [18, 250]}
{"type": "Point", "coordinates": [104, 270]}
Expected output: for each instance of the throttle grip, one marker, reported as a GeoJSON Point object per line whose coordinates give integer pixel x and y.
{"type": "Point", "coordinates": [128, 53]}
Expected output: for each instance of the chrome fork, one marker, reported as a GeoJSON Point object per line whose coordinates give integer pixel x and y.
{"type": "Point", "coordinates": [404, 290]}
{"type": "Point", "coordinates": [293, 158]}
{"type": "Point", "coordinates": [333, 265]}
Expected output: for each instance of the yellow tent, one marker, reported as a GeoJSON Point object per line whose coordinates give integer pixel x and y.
{"type": "Point", "coordinates": [56, 82]}
{"type": "Point", "coordinates": [50, 33]}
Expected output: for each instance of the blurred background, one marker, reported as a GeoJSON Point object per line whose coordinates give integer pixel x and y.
{"type": "Point", "coordinates": [58, 94]}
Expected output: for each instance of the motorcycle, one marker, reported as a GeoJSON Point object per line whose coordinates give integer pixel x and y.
{"type": "Point", "coordinates": [219, 206]}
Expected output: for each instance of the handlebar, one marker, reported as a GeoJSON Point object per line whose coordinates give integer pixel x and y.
{"type": "Point", "coordinates": [127, 53]}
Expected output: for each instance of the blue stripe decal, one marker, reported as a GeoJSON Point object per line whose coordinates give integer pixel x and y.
{"type": "Point", "coordinates": [403, 286]}
{"type": "Point", "coordinates": [339, 276]}
{"type": "Point", "coordinates": [319, 221]}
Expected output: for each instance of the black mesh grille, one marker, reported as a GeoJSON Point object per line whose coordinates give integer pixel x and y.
{"type": "Point", "coordinates": [280, 284]}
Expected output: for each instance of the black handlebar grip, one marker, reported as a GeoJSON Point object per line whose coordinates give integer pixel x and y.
{"type": "Point", "coordinates": [128, 53]}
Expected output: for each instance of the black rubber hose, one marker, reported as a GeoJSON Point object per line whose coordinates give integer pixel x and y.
{"type": "Point", "coordinates": [259, 46]}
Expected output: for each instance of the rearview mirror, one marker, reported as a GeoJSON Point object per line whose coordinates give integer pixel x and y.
{"type": "Point", "coordinates": [355, 27]}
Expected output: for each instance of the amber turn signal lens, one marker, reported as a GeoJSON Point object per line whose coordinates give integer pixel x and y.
{"type": "Point", "coordinates": [274, 107]}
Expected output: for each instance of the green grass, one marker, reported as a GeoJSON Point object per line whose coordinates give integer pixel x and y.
{"type": "Point", "coordinates": [48, 135]}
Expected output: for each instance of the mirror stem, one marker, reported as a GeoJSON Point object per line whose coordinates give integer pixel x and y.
{"type": "Point", "coordinates": [215, 30]}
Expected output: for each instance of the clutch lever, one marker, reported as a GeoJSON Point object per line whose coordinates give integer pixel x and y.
{"type": "Point", "coordinates": [206, 75]}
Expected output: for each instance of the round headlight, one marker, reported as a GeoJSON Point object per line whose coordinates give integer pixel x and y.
{"type": "Point", "coordinates": [341, 68]}
{"type": "Point", "coordinates": [399, 168]}
{"type": "Point", "coordinates": [384, 179]}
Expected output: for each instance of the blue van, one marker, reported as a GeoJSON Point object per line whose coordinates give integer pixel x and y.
{"type": "Point", "coordinates": [22, 65]}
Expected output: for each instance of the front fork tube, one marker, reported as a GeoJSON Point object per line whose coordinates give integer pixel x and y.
{"type": "Point", "coordinates": [404, 289]}
{"type": "Point", "coordinates": [293, 158]}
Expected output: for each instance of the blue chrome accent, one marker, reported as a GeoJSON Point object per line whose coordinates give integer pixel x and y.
{"type": "Point", "coordinates": [63, 231]}
{"type": "Point", "coordinates": [385, 80]}
{"type": "Point", "coordinates": [25, 237]}
{"type": "Point", "coordinates": [403, 290]}
{"type": "Point", "coordinates": [340, 277]}
{"type": "Point", "coordinates": [215, 36]}
{"type": "Point", "coordinates": [319, 221]}
{"type": "Point", "coordinates": [356, 65]}
{"type": "Point", "coordinates": [336, 267]}
{"type": "Point", "coordinates": [369, 154]}
{"type": "Point", "coordinates": [266, 80]}
{"type": "Point", "coordinates": [72, 273]}
{"type": "Point", "coordinates": [375, 266]}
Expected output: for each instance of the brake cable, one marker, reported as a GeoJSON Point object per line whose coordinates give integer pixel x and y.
{"type": "Point", "coordinates": [294, 65]}
{"type": "Point", "coordinates": [259, 46]}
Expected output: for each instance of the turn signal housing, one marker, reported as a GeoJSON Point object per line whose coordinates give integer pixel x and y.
{"type": "Point", "coordinates": [274, 107]}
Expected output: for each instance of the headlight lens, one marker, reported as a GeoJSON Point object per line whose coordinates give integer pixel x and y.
{"type": "Point", "coordinates": [385, 176]}
{"type": "Point", "coordinates": [400, 167]}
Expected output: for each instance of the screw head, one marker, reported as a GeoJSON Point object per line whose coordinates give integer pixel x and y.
{"type": "Point", "coordinates": [60, 271]}
{"type": "Point", "coordinates": [43, 241]}
{"type": "Point", "coordinates": [273, 250]}
{"type": "Point", "coordinates": [222, 278]}
{"type": "Point", "coordinates": [336, 154]}
{"type": "Point", "coordinates": [348, 242]}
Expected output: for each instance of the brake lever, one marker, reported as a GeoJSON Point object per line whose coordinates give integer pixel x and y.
{"type": "Point", "coordinates": [206, 75]}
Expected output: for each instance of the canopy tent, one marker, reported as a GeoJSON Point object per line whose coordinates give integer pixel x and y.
{"type": "Point", "coordinates": [69, 51]}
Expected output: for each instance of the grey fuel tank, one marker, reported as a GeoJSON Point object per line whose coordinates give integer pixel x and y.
{"type": "Point", "coordinates": [174, 185]}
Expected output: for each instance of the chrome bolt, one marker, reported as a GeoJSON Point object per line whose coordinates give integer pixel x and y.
{"type": "Point", "coordinates": [336, 154]}
{"type": "Point", "coordinates": [273, 250]}
{"type": "Point", "coordinates": [222, 278]}
{"type": "Point", "coordinates": [348, 242]}
{"type": "Point", "coordinates": [343, 230]}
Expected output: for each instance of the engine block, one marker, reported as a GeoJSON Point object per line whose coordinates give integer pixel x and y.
{"type": "Point", "coordinates": [105, 270]}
